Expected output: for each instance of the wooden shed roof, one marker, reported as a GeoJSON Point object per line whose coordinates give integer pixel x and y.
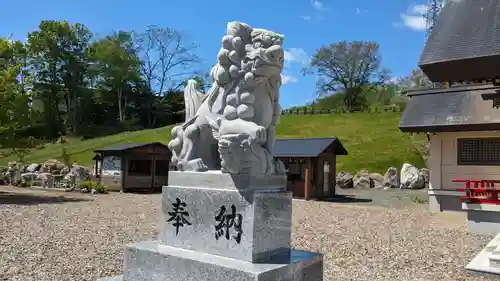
{"type": "Point", "coordinates": [310, 147]}
{"type": "Point", "coordinates": [129, 146]}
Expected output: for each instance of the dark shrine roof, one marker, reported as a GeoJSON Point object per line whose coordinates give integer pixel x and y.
{"type": "Point", "coordinates": [464, 43]}
{"type": "Point", "coordinates": [460, 108]}
{"type": "Point", "coordinates": [311, 147]}
{"type": "Point", "coordinates": [129, 146]}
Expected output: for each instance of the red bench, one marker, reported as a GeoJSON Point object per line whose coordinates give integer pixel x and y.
{"type": "Point", "coordinates": [479, 191]}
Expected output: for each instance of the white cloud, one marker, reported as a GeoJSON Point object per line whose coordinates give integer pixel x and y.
{"type": "Point", "coordinates": [414, 18]}
{"type": "Point", "coordinates": [360, 11]}
{"type": "Point", "coordinates": [297, 55]}
{"type": "Point", "coordinates": [307, 18]}
{"type": "Point", "coordinates": [318, 5]}
{"type": "Point", "coordinates": [414, 22]}
{"type": "Point", "coordinates": [286, 79]}
{"type": "Point", "coordinates": [419, 9]}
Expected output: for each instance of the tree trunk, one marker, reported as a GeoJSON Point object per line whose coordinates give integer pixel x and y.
{"type": "Point", "coordinates": [73, 113]}
{"type": "Point", "coordinates": [120, 109]}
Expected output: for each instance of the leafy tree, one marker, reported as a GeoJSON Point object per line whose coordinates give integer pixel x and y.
{"type": "Point", "coordinates": [16, 113]}
{"type": "Point", "coordinates": [66, 81]}
{"type": "Point", "coordinates": [57, 55]}
{"type": "Point", "coordinates": [115, 67]}
{"type": "Point", "coordinates": [348, 66]}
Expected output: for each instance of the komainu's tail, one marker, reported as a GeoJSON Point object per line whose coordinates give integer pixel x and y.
{"type": "Point", "coordinates": [192, 99]}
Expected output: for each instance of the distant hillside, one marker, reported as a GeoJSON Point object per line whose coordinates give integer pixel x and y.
{"type": "Point", "coordinates": [373, 140]}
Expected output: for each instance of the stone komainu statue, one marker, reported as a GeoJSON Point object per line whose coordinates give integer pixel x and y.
{"type": "Point", "coordinates": [232, 127]}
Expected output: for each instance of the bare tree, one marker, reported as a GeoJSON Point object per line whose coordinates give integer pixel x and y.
{"type": "Point", "coordinates": [167, 59]}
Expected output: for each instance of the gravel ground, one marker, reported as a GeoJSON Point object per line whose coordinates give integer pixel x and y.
{"type": "Point", "coordinates": [50, 236]}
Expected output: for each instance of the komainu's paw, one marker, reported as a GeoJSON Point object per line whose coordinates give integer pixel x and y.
{"type": "Point", "coordinates": [260, 135]}
{"type": "Point", "coordinates": [196, 165]}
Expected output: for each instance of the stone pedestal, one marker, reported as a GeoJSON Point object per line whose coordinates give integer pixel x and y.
{"type": "Point", "coordinates": [218, 226]}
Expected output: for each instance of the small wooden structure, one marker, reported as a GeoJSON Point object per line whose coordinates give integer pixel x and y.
{"type": "Point", "coordinates": [133, 166]}
{"type": "Point", "coordinates": [311, 165]}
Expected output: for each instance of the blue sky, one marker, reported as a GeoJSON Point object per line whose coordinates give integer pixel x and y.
{"type": "Point", "coordinates": [397, 25]}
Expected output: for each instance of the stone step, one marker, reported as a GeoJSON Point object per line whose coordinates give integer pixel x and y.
{"type": "Point", "coordinates": [488, 260]}
{"type": "Point", "coordinates": [494, 257]}
{"type": "Point", "coordinates": [496, 251]}
{"type": "Point", "coordinates": [150, 261]}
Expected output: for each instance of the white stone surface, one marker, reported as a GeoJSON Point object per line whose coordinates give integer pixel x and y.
{"type": "Point", "coordinates": [481, 263]}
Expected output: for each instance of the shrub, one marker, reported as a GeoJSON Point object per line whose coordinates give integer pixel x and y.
{"type": "Point", "coordinates": [87, 186]}
{"type": "Point", "coordinates": [62, 140]}
{"type": "Point", "coordinates": [25, 183]}
{"type": "Point", "coordinates": [3, 179]}
{"type": "Point", "coordinates": [417, 200]}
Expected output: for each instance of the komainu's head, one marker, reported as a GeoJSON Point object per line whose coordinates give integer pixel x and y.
{"type": "Point", "coordinates": [253, 55]}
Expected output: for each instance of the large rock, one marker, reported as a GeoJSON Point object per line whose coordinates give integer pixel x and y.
{"type": "Point", "coordinates": [344, 180]}
{"type": "Point", "coordinates": [70, 179]}
{"type": "Point", "coordinates": [391, 178]}
{"type": "Point", "coordinates": [411, 178]}
{"type": "Point", "coordinates": [47, 179]}
{"type": "Point", "coordinates": [362, 180]}
{"type": "Point", "coordinates": [425, 173]}
{"type": "Point", "coordinates": [28, 176]}
{"type": "Point", "coordinates": [34, 167]}
{"type": "Point", "coordinates": [80, 172]}
{"type": "Point", "coordinates": [377, 180]}
{"type": "Point", "coordinates": [53, 166]}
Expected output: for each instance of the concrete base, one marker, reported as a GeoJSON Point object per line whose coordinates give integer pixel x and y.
{"type": "Point", "coordinates": [488, 260]}
{"type": "Point", "coordinates": [483, 222]}
{"type": "Point", "coordinates": [150, 261]}
{"type": "Point", "coordinates": [444, 200]}
{"type": "Point", "coordinates": [482, 219]}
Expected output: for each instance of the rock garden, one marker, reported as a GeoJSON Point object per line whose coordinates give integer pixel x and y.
{"type": "Point", "coordinates": [51, 174]}
{"type": "Point", "coordinates": [410, 177]}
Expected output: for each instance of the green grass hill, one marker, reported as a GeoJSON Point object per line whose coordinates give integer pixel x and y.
{"type": "Point", "coordinates": [373, 140]}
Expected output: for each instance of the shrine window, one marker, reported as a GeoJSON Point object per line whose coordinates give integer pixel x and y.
{"type": "Point", "coordinates": [478, 151]}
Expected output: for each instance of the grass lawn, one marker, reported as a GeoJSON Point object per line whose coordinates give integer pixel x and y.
{"type": "Point", "coordinates": [373, 140]}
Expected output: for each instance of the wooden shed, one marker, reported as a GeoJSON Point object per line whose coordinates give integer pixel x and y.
{"type": "Point", "coordinates": [141, 166]}
{"type": "Point", "coordinates": [311, 165]}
